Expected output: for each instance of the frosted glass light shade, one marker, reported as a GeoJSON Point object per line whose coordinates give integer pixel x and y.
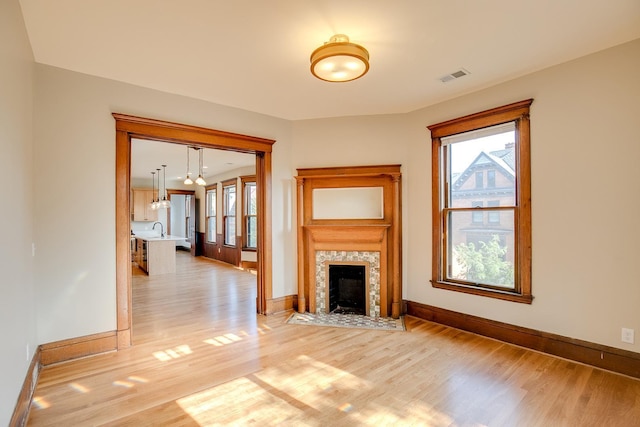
{"type": "Point", "coordinates": [339, 60]}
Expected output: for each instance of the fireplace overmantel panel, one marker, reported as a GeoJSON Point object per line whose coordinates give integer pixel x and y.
{"type": "Point", "coordinates": [381, 236]}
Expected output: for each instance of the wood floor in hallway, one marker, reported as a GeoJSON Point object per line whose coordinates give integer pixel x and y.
{"type": "Point", "coordinates": [202, 357]}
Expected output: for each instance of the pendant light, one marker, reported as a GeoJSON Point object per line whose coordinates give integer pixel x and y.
{"type": "Point", "coordinates": [156, 201]}
{"type": "Point", "coordinates": [188, 180]}
{"type": "Point", "coordinates": [200, 180]}
{"type": "Point", "coordinates": [164, 203]}
{"type": "Point", "coordinates": [153, 205]}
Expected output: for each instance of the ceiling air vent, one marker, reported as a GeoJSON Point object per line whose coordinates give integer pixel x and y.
{"type": "Point", "coordinates": [455, 75]}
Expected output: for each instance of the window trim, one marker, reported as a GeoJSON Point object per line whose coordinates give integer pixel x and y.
{"type": "Point", "coordinates": [245, 180]}
{"type": "Point", "coordinates": [518, 112]}
{"type": "Point", "coordinates": [227, 184]}
{"type": "Point", "coordinates": [214, 189]}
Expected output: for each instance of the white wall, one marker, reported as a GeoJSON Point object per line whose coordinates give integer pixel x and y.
{"type": "Point", "coordinates": [585, 199]}
{"type": "Point", "coordinates": [585, 192]}
{"type": "Point", "coordinates": [75, 218]}
{"type": "Point", "coordinates": [585, 153]}
{"type": "Point", "coordinates": [17, 314]}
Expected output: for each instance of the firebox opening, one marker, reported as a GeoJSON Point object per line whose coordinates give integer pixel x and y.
{"type": "Point", "coordinates": [347, 289]}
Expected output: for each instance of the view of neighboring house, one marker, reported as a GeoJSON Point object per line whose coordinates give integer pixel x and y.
{"type": "Point", "coordinates": [487, 182]}
{"type": "Point", "coordinates": [482, 183]}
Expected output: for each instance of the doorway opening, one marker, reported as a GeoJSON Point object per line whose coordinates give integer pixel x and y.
{"type": "Point", "coordinates": [128, 127]}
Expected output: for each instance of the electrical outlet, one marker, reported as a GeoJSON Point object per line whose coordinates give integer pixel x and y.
{"type": "Point", "coordinates": [627, 335]}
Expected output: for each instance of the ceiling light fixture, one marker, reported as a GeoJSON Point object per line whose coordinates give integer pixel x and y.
{"type": "Point", "coordinates": [155, 204]}
{"type": "Point", "coordinates": [188, 180]}
{"type": "Point", "coordinates": [152, 205]}
{"type": "Point", "coordinates": [164, 203]}
{"type": "Point", "coordinates": [338, 60]}
{"type": "Point", "coordinates": [200, 180]}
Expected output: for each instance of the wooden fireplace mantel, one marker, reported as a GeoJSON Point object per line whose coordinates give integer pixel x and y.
{"type": "Point", "coordinates": [381, 235]}
{"type": "Point", "coordinates": [341, 235]}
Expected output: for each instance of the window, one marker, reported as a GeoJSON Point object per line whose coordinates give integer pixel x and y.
{"type": "Point", "coordinates": [249, 213]}
{"type": "Point", "coordinates": [211, 208]}
{"type": "Point", "coordinates": [187, 216]}
{"type": "Point", "coordinates": [494, 215]}
{"type": "Point", "coordinates": [492, 259]}
{"type": "Point", "coordinates": [479, 180]}
{"type": "Point", "coordinates": [491, 179]}
{"type": "Point", "coordinates": [477, 216]}
{"type": "Point", "coordinates": [229, 212]}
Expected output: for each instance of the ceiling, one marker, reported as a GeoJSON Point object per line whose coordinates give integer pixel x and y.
{"type": "Point", "coordinates": [254, 54]}
{"type": "Point", "coordinates": [147, 156]}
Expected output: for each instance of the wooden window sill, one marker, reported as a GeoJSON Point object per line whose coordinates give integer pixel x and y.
{"type": "Point", "coordinates": [491, 293]}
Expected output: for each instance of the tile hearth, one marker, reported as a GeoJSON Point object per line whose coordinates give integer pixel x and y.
{"type": "Point", "coordinates": [347, 321]}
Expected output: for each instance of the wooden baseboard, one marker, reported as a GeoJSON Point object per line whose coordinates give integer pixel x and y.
{"type": "Point", "coordinates": [601, 356]}
{"type": "Point", "coordinates": [248, 265]}
{"type": "Point", "coordinates": [123, 338]}
{"type": "Point", "coordinates": [89, 345]}
{"type": "Point", "coordinates": [21, 411]}
{"type": "Point", "coordinates": [276, 305]}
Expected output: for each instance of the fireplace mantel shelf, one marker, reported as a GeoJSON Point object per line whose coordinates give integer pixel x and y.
{"type": "Point", "coordinates": [356, 226]}
{"type": "Point", "coordinates": [347, 233]}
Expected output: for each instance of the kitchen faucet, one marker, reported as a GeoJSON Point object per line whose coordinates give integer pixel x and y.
{"type": "Point", "coordinates": [161, 228]}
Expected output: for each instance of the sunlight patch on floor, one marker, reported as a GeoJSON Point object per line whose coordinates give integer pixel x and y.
{"type": "Point", "coordinates": [222, 340]}
{"type": "Point", "coordinates": [306, 391]}
{"type": "Point", "coordinates": [79, 387]}
{"type": "Point", "coordinates": [130, 382]}
{"type": "Point", "coordinates": [40, 402]}
{"type": "Point", "coordinates": [138, 379]}
{"type": "Point", "coordinates": [314, 383]}
{"type": "Point", "coordinates": [238, 402]}
{"type": "Point", "coordinates": [392, 412]}
{"type": "Point", "coordinates": [172, 353]}
{"type": "Point", "coordinates": [295, 391]}
{"type": "Point", "coordinates": [226, 339]}
{"type": "Point", "coordinates": [263, 329]}
{"type": "Point", "coordinates": [125, 384]}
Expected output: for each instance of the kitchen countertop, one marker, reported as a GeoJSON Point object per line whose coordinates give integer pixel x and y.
{"type": "Point", "coordinates": [158, 238]}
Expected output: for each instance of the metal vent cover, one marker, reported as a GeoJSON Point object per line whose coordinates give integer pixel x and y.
{"type": "Point", "coordinates": [455, 75]}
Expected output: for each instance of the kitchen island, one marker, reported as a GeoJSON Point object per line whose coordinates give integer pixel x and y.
{"type": "Point", "coordinates": [156, 255]}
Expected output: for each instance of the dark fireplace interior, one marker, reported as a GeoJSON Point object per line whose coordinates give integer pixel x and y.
{"type": "Point", "coordinates": [347, 293]}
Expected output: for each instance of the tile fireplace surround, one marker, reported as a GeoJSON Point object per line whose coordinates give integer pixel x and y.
{"type": "Point", "coordinates": [373, 241]}
{"type": "Point", "coordinates": [371, 261]}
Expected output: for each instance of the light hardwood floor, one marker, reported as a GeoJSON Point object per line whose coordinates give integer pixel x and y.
{"type": "Point", "coordinates": [203, 357]}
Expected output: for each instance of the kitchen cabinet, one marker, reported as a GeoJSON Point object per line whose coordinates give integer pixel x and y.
{"type": "Point", "coordinates": [141, 254]}
{"type": "Point", "coordinates": [157, 255]}
{"type": "Point", "coordinates": [142, 198]}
